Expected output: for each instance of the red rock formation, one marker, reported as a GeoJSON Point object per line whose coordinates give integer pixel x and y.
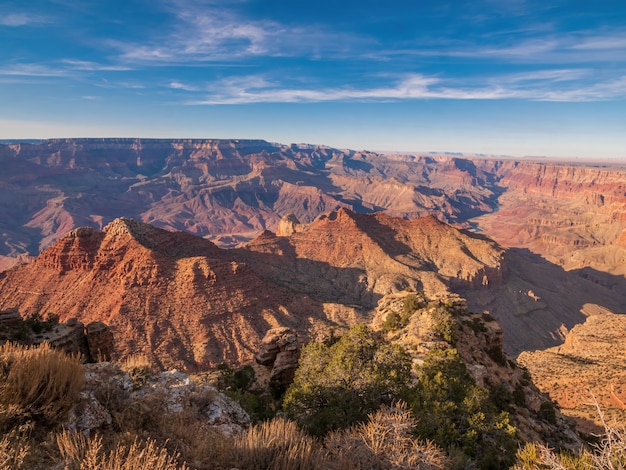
{"type": "Point", "coordinates": [188, 304]}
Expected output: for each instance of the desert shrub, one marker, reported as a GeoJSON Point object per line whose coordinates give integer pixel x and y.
{"type": "Point", "coordinates": [276, 444]}
{"type": "Point", "coordinates": [501, 396]}
{"type": "Point", "coordinates": [393, 322]}
{"type": "Point", "coordinates": [535, 456]}
{"type": "Point", "coordinates": [411, 303]}
{"type": "Point", "coordinates": [384, 442]}
{"type": "Point", "coordinates": [139, 369]}
{"type": "Point", "coordinates": [235, 379]}
{"type": "Point", "coordinates": [238, 385]}
{"type": "Point", "coordinates": [477, 325]}
{"type": "Point", "coordinates": [339, 385]}
{"type": "Point", "coordinates": [519, 396]}
{"type": "Point", "coordinates": [610, 453]}
{"type": "Point", "coordinates": [495, 352]}
{"type": "Point", "coordinates": [87, 454]}
{"type": "Point", "coordinates": [548, 412]}
{"type": "Point", "coordinates": [37, 383]}
{"type": "Point", "coordinates": [454, 412]}
{"type": "Point", "coordinates": [37, 324]}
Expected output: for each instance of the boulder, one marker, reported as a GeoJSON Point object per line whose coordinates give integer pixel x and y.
{"type": "Point", "coordinates": [280, 351]}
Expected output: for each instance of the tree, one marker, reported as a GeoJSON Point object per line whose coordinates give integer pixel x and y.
{"type": "Point", "coordinates": [454, 412]}
{"type": "Point", "coordinates": [339, 385]}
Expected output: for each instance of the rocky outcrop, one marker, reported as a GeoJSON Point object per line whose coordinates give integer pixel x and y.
{"type": "Point", "coordinates": [110, 391]}
{"type": "Point", "coordinates": [426, 324]}
{"type": "Point", "coordinates": [279, 351]}
{"type": "Point", "coordinates": [93, 342]}
{"type": "Point", "coordinates": [99, 341]}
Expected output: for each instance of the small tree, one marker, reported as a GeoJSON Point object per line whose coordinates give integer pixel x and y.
{"type": "Point", "coordinates": [454, 412]}
{"type": "Point", "coordinates": [339, 385]}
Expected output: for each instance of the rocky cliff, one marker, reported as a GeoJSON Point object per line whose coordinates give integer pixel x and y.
{"type": "Point", "coordinates": [186, 303]}
{"type": "Point", "coordinates": [572, 214]}
{"type": "Point", "coordinates": [225, 190]}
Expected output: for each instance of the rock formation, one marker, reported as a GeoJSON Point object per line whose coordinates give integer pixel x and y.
{"type": "Point", "coordinates": [227, 191]}
{"type": "Point", "coordinates": [279, 352]}
{"type": "Point", "coordinates": [93, 342]}
{"type": "Point", "coordinates": [188, 304]}
{"type": "Point", "coordinates": [478, 339]}
{"type": "Point", "coordinates": [109, 390]}
{"type": "Point", "coordinates": [573, 214]}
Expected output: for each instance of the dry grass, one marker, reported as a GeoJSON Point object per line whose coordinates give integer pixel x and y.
{"type": "Point", "coordinates": [276, 445]}
{"type": "Point", "coordinates": [14, 448]}
{"type": "Point", "coordinates": [384, 442]}
{"type": "Point", "coordinates": [81, 453]}
{"type": "Point", "coordinates": [37, 383]}
{"type": "Point", "coordinates": [139, 367]}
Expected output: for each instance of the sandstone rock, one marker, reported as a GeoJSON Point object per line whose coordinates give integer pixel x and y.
{"type": "Point", "coordinates": [70, 337]}
{"type": "Point", "coordinates": [87, 415]}
{"type": "Point", "coordinates": [280, 351]}
{"type": "Point", "coordinates": [10, 318]}
{"type": "Point", "coordinates": [287, 226]}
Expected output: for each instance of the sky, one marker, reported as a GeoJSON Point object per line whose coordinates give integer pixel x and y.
{"type": "Point", "coordinates": [504, 77]}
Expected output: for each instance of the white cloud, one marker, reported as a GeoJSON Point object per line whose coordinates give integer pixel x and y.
{"type": "Point", "coordinates": [537, 86]}
{"type": "Point", "coordinates": [94, 66]}
{"type": "Point", "coordinates": [21, 19]}
{"type": "Point", "coordinates": [213, 31]}
{"type": "Point", "coordinates": [33, 70]}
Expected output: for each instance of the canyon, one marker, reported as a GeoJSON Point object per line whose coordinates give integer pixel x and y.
{"type": "Point", "coordinates": [193, 249]}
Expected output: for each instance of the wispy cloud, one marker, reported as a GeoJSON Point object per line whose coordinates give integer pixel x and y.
{"type": "Point", "coordinates": [21, 19]}
{"type": "Point", "coordinates": [212, 32]}
{"type": "Point", "coordinates": [537, 86]}
{"type": "Point", "coordinates": [94, 66]}
{"type": "Point", "coordinates": [538, 47]}
{"type": "Point", "coordinates": [33, 70]}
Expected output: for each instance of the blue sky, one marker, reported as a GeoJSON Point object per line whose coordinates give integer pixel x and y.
{"type": "Point", "coordinates": [514, 77]}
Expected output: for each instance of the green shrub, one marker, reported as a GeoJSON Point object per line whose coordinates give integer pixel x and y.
{"type": "Point", "coordinates": [393, 322]}
{"type": "Point", "coordinates": [454, 412]}
{"type": "Point", "coordinates": [411, 303]}
{"type": "Point", "coordinates": [339, 385]}
{"type": "Point", "coordinates": [444, 327]}
{"type": "Point", "coordinates": [477, 325]}
{"type": "Point", "coordinates": [548, 412]}
{"type": "Point", "coordinates": [496, 353]}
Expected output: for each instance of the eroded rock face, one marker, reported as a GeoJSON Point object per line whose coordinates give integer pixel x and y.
{"type": "Point", "coordinates": [190, 305]}
{"type": "Point", "coordinates": [588, 366]}
{"type": "Point", "coordinates": [572, 214]}
{"type": "Point", "coordinates": [280, 351]}
{"type": "Point", "coordinates": [100, 341]}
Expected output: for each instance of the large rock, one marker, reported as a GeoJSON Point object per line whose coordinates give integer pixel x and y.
{"type": "Point", "coordinates": [280, 351]}
{"type": "Point", "coordinates": [108, 390]}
